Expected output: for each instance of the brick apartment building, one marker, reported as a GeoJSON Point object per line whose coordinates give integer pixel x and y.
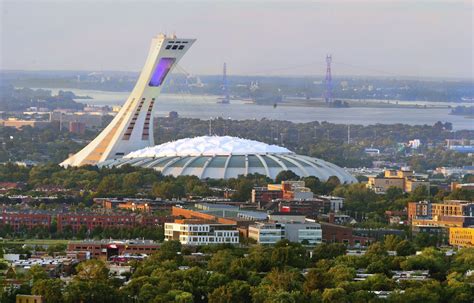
{"type": "Point", "coordinates": [91, 221]}
{"type": "Point", "coordinates": [452, 213]}
{"type": "Point", "coordinates": [28, 220]}
{"type": "Point", "coordinates": [263, 194]}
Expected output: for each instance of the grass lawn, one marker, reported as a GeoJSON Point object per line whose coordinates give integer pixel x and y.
{"type": "Point", "coordinates": [34, 241]}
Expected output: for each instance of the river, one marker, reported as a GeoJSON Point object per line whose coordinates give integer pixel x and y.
{"type": "Point", "coordinates": [205, 107]}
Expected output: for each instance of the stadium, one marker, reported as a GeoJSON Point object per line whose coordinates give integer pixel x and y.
{"type": "Point", "coordinates": [227, 157]}
{"type": "Point", "coordinates": [129, 138]}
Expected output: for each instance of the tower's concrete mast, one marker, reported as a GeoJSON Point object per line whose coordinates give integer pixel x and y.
{"type": "Point", "coordinates": [132, 128]}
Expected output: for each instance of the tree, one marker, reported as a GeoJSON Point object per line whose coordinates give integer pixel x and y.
{"type": "Point", "coordinates": [37, 273]}
{"type": "Point", "coordinates": [317, 279]}
{"type": "Point", "coordinates": [168, 190]}
{"type": "Point", "coordinates": [132, 181]}
{"type": "Point", "coordinates": [147, 293]}
{"type": "Point", "coordinates": [332, 182]}
{"type": "Point", "coordinates": [259, 258]}
{"type": "Point", "coordinates": [221, 261]}
{"type": "Point", "coordinates": [420, 193]}
{"type": "Point", "coordinates": [357, 197]}
{"type": "Point", "coordinates": [110, 184]}
{"type": "Point", "coordinates": [393, 193]}
{"type": "Point", "coordinates": [363, 296]}
{"type": "Point", "coordinates": [286, 280]}
{"type": "Point", "coordinates": [195, 282]}
{"type": "Point", "coordinates": [184, 297]}
{"type": "Point", "coordinates": [379, 266]}
{"type": "Point", "coordinates": [390, 242]}
{"type": "Point", "coordinates": [427, 293]}
{"type": "Point", "coordinates": [286, 175]}
{"type": "Point", "coordinates": [335, 295]}
{"type": "Point", "coordinates": [286, 253]}
{"type": "Point", "coordinates": [236, 291]}
{"type": "Point", "coordinates": [376, 250]}
{"type": "Point", "coordinates": [405, 248]}
{"type": "Point", "coordinates": [50, 289]}
{"type": "Point", "coordinates": [243, 190]}
{"type": "Point", "coordinates": [430, 259]}
{"type": "Point", "coordinates": [328, 251]}
{"type": "Point", "coordinates": [92, 270]}
{"type": "Point", "coordinates": [459, 289]}
{"type": "Point", "coordinates": [423, 240]}
{"type": "Point", "coordinates": [341, 273]}
{"type": "Point", "coordinates": [169, 250]}
{"type": "Point", "coordinates": [463, 260]}
{"type": "Point", "coordinates": [79, 291]}
{"type": "Point", "coordinates": [315, 185]}
{"type": "Point", "coordinates": [461, 194]}
{"type": "Point", "coordinates": [379, 282]}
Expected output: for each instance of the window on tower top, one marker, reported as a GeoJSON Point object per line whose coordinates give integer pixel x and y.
{"type": "Point", "coordinates": [161, 70]}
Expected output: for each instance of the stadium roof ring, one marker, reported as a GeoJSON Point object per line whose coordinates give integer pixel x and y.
{"type": "Point", "coordinates": [228, 157]}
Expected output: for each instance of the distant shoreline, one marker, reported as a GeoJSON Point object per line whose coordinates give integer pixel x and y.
{"type": "Point", "coordinates": [366, 103]}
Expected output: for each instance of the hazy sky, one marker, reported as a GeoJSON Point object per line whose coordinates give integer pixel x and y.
{"type": "Point", "coordinates": [408, 38]}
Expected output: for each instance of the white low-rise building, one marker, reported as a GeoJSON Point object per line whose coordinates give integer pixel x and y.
{"type": "Point", "coordinates": [271, 233]}
{"type": "Point", "coordinates": [299, 232]}
{"type": "Point", "coordinates": [267, 233]}
{"type": "Point", "coordinates": [192, 232]}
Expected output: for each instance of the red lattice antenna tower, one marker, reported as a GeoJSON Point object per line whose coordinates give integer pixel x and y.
{"type": "Point", "coordinates": [328, 80]}
{"type": "Point", "coordinates": [225, 87]}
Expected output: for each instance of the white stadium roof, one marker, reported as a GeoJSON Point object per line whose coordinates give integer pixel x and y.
{"type": "Point", "coordinates": [209, 146]}
{"type": "Point", "coordinates": [228, 157]}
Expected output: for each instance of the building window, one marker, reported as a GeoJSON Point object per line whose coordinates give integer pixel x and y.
{"type": "Point", "coordinates": [161, 70]}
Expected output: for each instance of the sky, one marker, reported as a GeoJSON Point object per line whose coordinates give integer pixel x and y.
{"type": "Point", "coordinates": [415, 38]}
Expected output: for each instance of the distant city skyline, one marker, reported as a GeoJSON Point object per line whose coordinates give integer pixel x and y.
{"type": "Point", "coordinates": [374, 38]}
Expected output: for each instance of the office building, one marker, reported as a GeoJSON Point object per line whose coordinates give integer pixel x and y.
{"type": "Point", "coordinates": [406, 180]}
{"type": "Point", "coordinates": [334, 233]}
{"type": "Point", "coordinates": [201, 232]}
{"type": "Point", "coordinates": [105, 249]}
{"type": "Point", "coordinates": [461, 236]}
{"type": "Point", "coordinates": [76, 127]}
{"type": "Point", "coordinates": [299, 232]}
{"type": "Point", "coordinates": [452, 213]}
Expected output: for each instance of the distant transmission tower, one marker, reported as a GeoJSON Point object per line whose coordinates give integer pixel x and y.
{"type": "Point", "coordinates": [328, 80]}
{"type": "Point", "coordinates": [225, 88]}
